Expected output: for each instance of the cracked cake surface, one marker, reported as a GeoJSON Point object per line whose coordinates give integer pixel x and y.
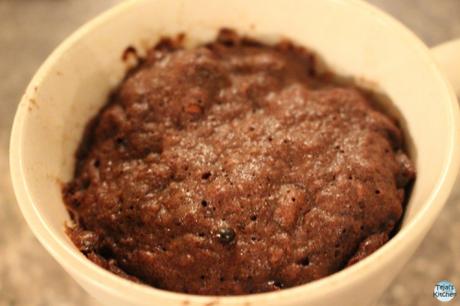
{"type": "Point", "coordinates": [234, 168]}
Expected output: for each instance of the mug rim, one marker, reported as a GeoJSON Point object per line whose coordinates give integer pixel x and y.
{"type": "Point", "coordinates": [76, 263]}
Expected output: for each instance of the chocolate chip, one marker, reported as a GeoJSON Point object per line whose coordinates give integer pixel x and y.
{"type": "Point", "coordinates": [304, 261]}
{"type": "Point", "coordinates": [276, 283]}
{"type": "Point", "coordinates": [206, 175]}
{"type": "Point", "coordinates": [226, 235]}
{"type": "Point", "coordinates": [279, 284]}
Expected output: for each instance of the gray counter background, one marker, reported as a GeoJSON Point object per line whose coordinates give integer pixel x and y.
{"type": "Point", "coordinates": [31, 29]}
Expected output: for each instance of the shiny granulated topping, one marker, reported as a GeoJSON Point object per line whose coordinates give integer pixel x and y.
{"type": "Point", "coordinates": [234, 168]}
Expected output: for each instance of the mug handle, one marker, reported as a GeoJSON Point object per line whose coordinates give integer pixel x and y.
{"type": "Point", "coordinates": [447, 55]}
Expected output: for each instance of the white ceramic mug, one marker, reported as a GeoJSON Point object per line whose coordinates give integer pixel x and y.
{"type": "Point", "coordinates": [354, 38]}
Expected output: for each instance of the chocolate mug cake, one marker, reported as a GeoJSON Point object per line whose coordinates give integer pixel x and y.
{"type": "Point", "coordinates": [235, 167]}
